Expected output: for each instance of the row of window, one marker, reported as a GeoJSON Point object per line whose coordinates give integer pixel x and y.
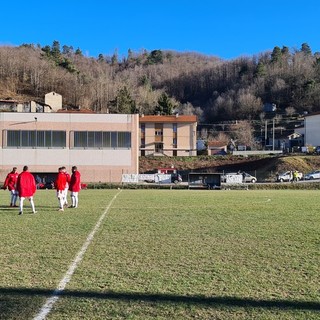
{"type": "Point", "coordinates": [58, 139]}
{"type": "Point", "coordinates": [158, 128]}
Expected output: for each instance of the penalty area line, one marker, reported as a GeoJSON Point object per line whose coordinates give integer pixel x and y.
{"type": "Point", "coordinates": [46, 308]}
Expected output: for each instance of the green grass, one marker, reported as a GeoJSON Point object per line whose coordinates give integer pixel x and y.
{"type": "Point", "coordinates": [165, 254]}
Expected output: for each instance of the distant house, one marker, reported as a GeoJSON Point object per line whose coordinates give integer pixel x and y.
{"type": "Point", "coordinates": [52, 103]}
{"type": "Point", "coordinates": [173, 135]}
{"type": "Point", "coordinates": [216, 148]}
{"type": "Point", "coordinates": [54, 100]}
{"type": "Point", "coordinates": [25, 106]}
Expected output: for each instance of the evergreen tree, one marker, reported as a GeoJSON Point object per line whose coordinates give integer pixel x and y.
{"type": "Point", "coordinates": [55, 49]}
{"type": "Point", "coordinates": [276, 55]}
{"type": "Point", "coordinates": [78, 52]}
{"type": "Point", "coordinates": [285, 50]}
{"type": "Point", "coordinates": [165, 105]}
{"type": "Point", "coordinates": [114, 58]}
{"type": "Point", "coordinates": [46, 49]}
{"type": "Point", "coordinates": [68, 50]}
{"type": "Point", "coordinates": [261, 70]}
{"type": "Point", "coordinates": [155, 57]}
{"type": "Point", "coordinates": [130, 55]}
{"type": "Point", "coordinates": [101, 58]}
{"type": "Point", "coordinates": [305, 48]}
{"type": "Point", "coordinates": [123, 102]}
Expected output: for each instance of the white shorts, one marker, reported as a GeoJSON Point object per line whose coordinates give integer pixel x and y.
{"type": "Point", "coordinates": [30, 198]}
{"type": "Point", "coordinates": [61, 194]}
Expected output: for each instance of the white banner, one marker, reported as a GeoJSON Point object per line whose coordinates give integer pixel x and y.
{"type": "Point", "coordinates": [234, 178]}
{"type": "Point", "coordinates": [153, 177]}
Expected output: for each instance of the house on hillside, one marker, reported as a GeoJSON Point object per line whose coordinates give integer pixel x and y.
{"type": "Point", "coordinates": [24, 106]}
{"type": "Point", "coordinates": [217, 148]}
{"type": "Point", "coordinates": [54, 100]}
{"type": "Point", "coordinates": [173, 135]}
{"type": "Point", "coordinates": [52, 103]}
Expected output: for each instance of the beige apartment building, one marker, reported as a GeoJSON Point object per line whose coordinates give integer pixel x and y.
{"type": "Point", "coordinates": [102, 146]}
{"type": "Point", "coordinates": [168, 135]}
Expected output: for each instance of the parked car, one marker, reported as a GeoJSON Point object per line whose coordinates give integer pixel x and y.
{"type": "Point", "coordinates": [288, 176]}
{"type": "Point", "coordinates": [246, 177]}
{"type": "Point", "coordinates": [317, 150]}
{"type": "Point", "coordinates": [312, 175]}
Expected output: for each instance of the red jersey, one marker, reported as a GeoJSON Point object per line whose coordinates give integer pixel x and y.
{"type": "Point", "coordinates": [75, 184]}
{"type": "Point", "coordinates": [61, 181]}
{"type": "Point", "coordinates": [26, 184]}
{"type": "Point", "coordinates": [11, 181]}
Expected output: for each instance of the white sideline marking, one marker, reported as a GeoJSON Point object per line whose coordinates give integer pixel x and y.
{"type": "Point", "coordinates": [46, 308]}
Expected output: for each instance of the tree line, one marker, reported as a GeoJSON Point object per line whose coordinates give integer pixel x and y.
{"type": "Point", "coordinates": [165, 81]}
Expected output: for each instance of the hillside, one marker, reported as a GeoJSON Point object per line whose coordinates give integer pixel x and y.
{"type": "Point", "coordinates": [265, 168]}
{"type": "Point", "coordinates": [214, 89]}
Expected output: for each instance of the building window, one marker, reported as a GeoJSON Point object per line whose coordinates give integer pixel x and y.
{"type": "Point", "coordinates": [124, 140]}
{"type": "Point", "coordinates": [101, 139]}
{"type": "Point", "coordinates": [158, 129]}
{"type": "Point", "coordinates": [174, 127]}
{"type": "Point", "coordinates": [35, 139]}
{"type": "Point", "coordinates": [158, 147]}
{"type": "Point", "coordinates": [174, 143]}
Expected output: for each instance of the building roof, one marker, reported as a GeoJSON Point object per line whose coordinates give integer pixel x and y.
{"type": "Point", "coordinates": [312, 114]}
{"type": "Point", "coordinates": [216, 144]}
{"type": "Point", "coordinates": [168, 119]}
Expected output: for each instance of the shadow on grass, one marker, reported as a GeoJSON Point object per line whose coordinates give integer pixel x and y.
{"type": "Point", "coordinates": [13, 300]}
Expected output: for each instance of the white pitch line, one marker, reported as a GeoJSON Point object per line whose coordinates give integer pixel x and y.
{"type": "Point", "coordinates": [46, 308]}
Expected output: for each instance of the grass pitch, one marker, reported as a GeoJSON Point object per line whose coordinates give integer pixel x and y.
{"type": "Point", "coordinates": [165, 254]}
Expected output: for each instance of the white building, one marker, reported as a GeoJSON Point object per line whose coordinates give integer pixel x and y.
{"type": "Point", "coordinates": [102, 146]}
{"type": "Point", "coordinates": [312, 129]}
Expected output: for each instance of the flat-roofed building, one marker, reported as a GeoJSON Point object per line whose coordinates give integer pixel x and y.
{"type": "Point", "coordinates": [168, 135]}
{"type": "Point", "coordinates": [102, 146]}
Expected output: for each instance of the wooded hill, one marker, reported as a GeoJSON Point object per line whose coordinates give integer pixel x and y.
{"type": "Point", "coordinates": [160, 81]}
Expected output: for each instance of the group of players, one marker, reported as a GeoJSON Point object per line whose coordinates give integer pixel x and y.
{"type": "Point", "coordinates": [23, 186]}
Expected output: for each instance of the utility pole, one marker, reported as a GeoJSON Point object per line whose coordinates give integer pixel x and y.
{"type": "Point", "coordinates": [273, 134]}
{"type": "Point", "coordinates": [265, 133]}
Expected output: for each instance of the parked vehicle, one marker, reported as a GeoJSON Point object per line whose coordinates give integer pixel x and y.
{"type": "Point", "coordinates": [47, 185]}
{"type": "Point", "coordinates": [312, 175]}
{"type": "Point", "coordinates": [246, 177]}
{"type": "Point", "coordinates": [317, 150]}
{"type": "Point", "coordinates": [176, 178]}
{"type": "Point", "coordinates": [288, 176]}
